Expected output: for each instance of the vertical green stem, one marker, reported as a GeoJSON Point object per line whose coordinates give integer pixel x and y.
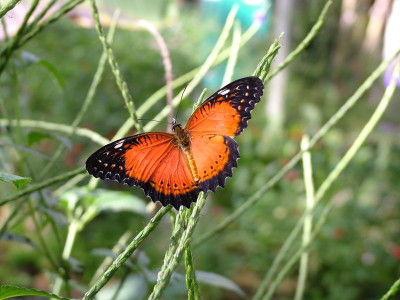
{"type": "Point", "coordinates": [393, 291]}
{"type": "Point", "coordinates": [191, 281]}
{"type": "Point", "coordinates": [115, 69]}
{"type": "Point", "coordinates": [309, 186]}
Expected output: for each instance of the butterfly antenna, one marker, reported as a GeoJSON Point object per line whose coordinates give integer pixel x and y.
{"type": "Point", "coordinates": [177, 108]}
{"type": "Point", "coordinates": [152, 120]}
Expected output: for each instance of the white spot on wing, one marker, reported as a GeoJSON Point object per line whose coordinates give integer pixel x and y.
{"type": "Point", "coordinates": [224, 92]}
{"type": "Point", "coordinates": [119, 145]}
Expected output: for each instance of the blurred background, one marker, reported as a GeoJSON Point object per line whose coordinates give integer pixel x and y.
{"type": "Point", "coordinates": [357, 253]}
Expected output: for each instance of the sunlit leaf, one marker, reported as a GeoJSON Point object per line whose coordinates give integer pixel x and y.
{"type": "Point", "coordinates": [11, 291]}
{"type": "Point", "coordinates": [18, 181]}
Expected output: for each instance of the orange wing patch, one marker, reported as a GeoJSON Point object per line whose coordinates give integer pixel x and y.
{"type": "Point", "coordinates": [172, 182]}
{"type": "Point", "coordinates": [152, 161]}
{"type": "Point", "coordinates": [217, 117]}
{"type": "Point", "coordinates": [215, 156]}
{"type": "Point", "coordinates": [227, 111]}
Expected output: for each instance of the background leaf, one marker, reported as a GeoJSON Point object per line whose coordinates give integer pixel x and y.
{"type": "Point", "coordinates": [11, 291]}
{"type": "Point", "coordinates": [19, 181]}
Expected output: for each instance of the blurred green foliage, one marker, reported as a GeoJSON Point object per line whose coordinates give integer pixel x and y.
{"type": "Point", "coordinates": [357, 254]}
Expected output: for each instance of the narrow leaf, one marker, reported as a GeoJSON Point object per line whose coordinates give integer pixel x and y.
{"type": "Point", "coordinates": [11, 291]}
{"type": "Point", "coordinates": [18, 181]}
{"type": "Point", "coordinates": [219, 281]}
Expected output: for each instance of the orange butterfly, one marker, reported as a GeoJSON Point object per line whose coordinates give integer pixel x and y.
{"type": "Point", "coordinates": [174, 168]}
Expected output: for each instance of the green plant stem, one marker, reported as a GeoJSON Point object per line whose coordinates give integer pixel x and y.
{"type": "Point", "coordinates": [122, 85]}
{"type": "Point", "coordinates": [191, 281]}
{"type": "Point", "coordinates": [7, 5]}
{"type": "Point", "coordinates": [169, 266]}
{"type": "Point", "coordinates": [120, 260]}
{"type": "Point", "coordinates": [265, 64]}
{"type": "Point", "coordinates": [288, 166]}
{"type": "Point", "coordinates": [84, 132]}
{"type": "Point", "coordinates": [393, 291]}
{"type": "Point", "coordinates": [204, 67]}
{"type": "Point", "coordinates": [117, 249]}
{"type": "Point", "coordinates": [5, 57]}
{"type": "Point", "coordinates": [158, 95]}
{"type": "Point", "coordinates": [73, 230]}
{"type": "Point", "coordinates": [166, 60]}
{"type": "Point", "coordinates": [334, 174]}
{"type": "Point", "coordinates": [89, 96]}
{"type": "Point", "coordinates": [310, 193]}
{"type": "Point", "coordinates": [120, 284]}
{"type": "Point", "coordinates": [304, 43]}
{"type": "Point", "coordinates": [42, 14]}
{"type": "Point", "coordinates": [41, 185]}
{"type": "Point", "coordinates": [41, 239]}
{"type": "Point", "coordinates": [39, 27]}
{"type": "Point", "coordinates": [235, 47]}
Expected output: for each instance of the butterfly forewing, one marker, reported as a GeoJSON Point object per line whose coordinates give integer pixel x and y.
{"type": "Point", "coordinates": [227, 111]}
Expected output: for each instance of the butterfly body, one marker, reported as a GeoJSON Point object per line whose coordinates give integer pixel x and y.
{"type": "Point", "coordinates": [174, 168]}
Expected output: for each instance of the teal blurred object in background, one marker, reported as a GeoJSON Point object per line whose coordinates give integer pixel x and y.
{"type": "Point", "coordinates": [250, 11]}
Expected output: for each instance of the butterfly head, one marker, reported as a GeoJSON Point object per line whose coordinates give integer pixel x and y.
{"type": "Point", "coordinates": [175, 125]}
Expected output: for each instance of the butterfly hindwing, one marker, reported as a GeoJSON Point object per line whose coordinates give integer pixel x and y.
{"type": "Point", "coordinates": [227, 111]}
{"type": "Point", "coordinates": [215, 157]}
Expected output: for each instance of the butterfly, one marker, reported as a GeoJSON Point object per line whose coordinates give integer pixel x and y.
{"type": "Point", "coordinates": [173, 168]}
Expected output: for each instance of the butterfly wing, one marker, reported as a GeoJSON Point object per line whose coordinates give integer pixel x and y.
{"type": "Point", "coordinates": [212, 126]}
{"type": "Point", "coordinates": [215, 157]}
{"type": "Point", "coordinates": [152, 161]}
{"type": "Point", "coordinates": [227, 111]}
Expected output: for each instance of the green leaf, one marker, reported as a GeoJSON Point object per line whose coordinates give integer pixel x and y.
{"type": "Point", "coordinates": [11, 291]}
{"type": "Point", "coordinates": [18, 181]}
{"type": "Point", "coordinates": [35, 137]}
{"type": "Point", "coordinates": [219, 281]}
{"type": "Point", "coordinates": [119, 201]}
{"type": "Point", "coordinates": [102, 200]}
{"type": "Point", "coordinates": [54, 71]}
{"type": "Point", "coordinates": [9, 236]}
